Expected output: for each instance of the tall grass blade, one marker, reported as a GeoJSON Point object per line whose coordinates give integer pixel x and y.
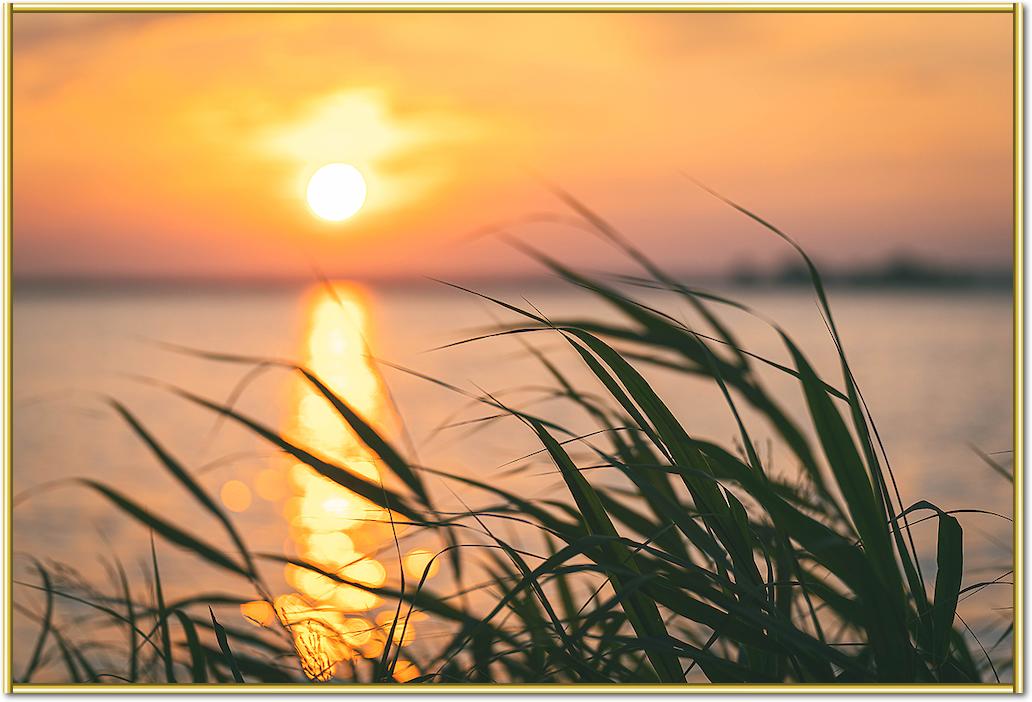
{"type": "Point", "coordinates": [46, 623]}
{"type": "Point", "coordinates": [183, 476]}
{"type": "Point", "coordinates": [369, 490]}
{"type": "Point", "coordinates": [198, 657]}
{"type": "Point", "coordinates": [227, 653]}
{"type": "Point", "coordinates": [369, 436]}
{"type": "Point", "coordinates": [162, 614]}
{"type": "Point", "coordinates": [166, 529]}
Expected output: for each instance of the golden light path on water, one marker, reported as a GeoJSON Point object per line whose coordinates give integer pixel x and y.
{"type": "Point", "coordinates": [332, 623]}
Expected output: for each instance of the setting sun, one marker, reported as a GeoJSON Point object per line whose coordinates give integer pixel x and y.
{"type": "Point", "coordinates": [336, 191]}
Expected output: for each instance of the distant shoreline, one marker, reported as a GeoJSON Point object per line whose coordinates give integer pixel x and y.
{"type": "Point", "coordinates": [899, 272]}
{"type": "Point", "coordinates": [972, 282]}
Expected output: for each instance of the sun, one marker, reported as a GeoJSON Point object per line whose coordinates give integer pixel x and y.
{"type": "Point", "coordinates": [336, 191]}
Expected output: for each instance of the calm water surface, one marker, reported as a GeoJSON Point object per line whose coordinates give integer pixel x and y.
{"type": "Point", "coordinates": [936, 369]}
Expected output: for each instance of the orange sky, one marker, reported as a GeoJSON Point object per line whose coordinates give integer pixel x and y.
{"type": "Point", "coordinates": [180, 145]}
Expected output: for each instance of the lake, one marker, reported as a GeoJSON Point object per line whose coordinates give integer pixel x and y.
{"type": "Point", "coordinates": [936, 368]}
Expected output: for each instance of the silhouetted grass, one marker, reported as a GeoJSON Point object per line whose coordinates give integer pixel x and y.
{"type": "Point", "coordinates": [702, 563]}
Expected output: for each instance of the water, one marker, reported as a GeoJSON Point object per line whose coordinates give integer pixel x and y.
{"type": "Point", "coordinates": [936, 369]}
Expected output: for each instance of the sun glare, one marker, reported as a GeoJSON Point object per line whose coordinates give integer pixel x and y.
{"type": "Point", "coordinates": [336, 191]}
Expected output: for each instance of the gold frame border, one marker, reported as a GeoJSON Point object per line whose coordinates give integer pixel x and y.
{"type": "Point", "coordinates": [529, 6]}
{"type": "Point", "coordinates": [518, 689]}
{"type": "Point", "coordinates": [1013, 8]}
{"type": "Point", "coordinates": [1019, 348]}
{"type": "Point", "coordinates": [8, 305]}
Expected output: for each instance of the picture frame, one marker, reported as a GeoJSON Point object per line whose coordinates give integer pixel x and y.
{"type": "Point", "coordinates": [916, 661]}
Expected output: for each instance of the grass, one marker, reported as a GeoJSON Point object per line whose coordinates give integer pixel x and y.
{"type": "Point", "coordinates": [700, 565]}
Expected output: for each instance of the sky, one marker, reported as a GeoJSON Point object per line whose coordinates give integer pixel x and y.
{"type": "Point", "coordinates": [152, 146]}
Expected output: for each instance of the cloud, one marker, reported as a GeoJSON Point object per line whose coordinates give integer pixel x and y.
{"type": "Point", "coordinates": [35, 31]}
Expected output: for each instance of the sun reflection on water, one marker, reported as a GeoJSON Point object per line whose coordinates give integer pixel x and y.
{"type": "Point", "coordinates": [331, 527]}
